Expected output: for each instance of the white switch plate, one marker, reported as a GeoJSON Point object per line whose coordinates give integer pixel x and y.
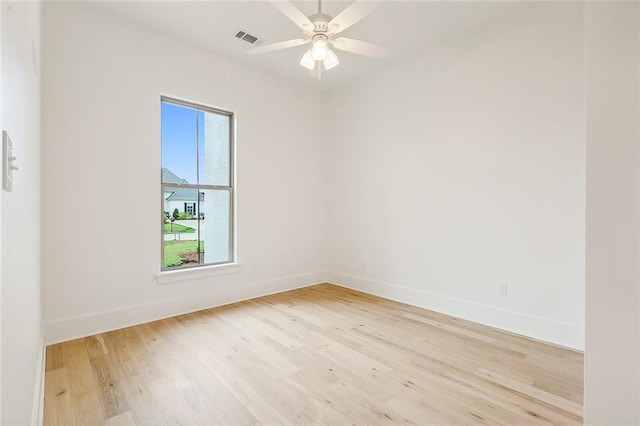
{"type": "Point", "coordinates": [7, 162]}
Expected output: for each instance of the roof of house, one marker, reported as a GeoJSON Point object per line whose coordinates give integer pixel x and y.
{"type": "Point", "coordinates": [182, 194]}
{"type": "Point", "coordinates": [178, 194]}
{"type": "Point", "coordinates": [169, 177]}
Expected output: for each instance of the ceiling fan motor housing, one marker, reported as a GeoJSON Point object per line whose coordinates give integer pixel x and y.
{"type": "Point", "coordinates": [320, 22]}
{"type": "Point", "coordinates": [319, 36]}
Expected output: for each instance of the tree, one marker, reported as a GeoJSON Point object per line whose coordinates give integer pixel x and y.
{"type": "Point", "coordinates": [176, 213]}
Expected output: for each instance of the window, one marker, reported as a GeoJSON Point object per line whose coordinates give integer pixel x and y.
{"type": "Point", "coordinates": [197, 185]}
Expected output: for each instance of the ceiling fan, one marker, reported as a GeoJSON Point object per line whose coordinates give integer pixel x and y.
{"type": "Point", "coordinates": [321, 30]}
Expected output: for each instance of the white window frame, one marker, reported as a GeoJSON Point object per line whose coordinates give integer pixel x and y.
{"type": "Point", "coordinates": [175, 273]}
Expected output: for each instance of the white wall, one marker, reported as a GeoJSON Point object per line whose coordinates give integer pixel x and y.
{"type": "Point", "coordinates": [21, 318]}
{"type": "Point", "coordinates": [101, 87]}
{"type": "Point", "coordinates": [449, 174]}
{"type": "Point", "coordinates": [612, 355]}
{"type": "Point", "coordinates": [1, 127]}
{"type": "Point", "coordinates": [462, 169]}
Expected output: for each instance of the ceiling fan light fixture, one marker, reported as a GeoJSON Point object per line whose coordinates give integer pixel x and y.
{"type": "Point", "coordinates": [331, 60]}
{"type": "Point", "coordinates": [307, 60]}
{"type": "Point", "coordinates": [319, 48]}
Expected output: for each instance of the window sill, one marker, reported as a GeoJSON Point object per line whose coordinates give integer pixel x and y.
{"type": "Point", "coordinates": [167, 277]}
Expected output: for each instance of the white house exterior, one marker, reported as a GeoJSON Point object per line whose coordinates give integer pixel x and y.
{"type": "Point", "coordinates": [216, 202]}
{"type": "Point", "coordinates": [183, 199]}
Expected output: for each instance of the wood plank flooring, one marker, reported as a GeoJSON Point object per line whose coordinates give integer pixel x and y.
{"type": "Point", "coordinates": [318, 355]}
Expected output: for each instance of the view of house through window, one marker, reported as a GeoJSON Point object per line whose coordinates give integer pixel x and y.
{"type": "Point", "coordinates": [197, 185]}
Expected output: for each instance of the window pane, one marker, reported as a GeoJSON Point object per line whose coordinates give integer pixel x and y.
{"type": "Point", "coordinates": [182, 245]}
{"type": "Point", "coordinates": [196, 150]}
{"type": "Point", "coordinates": [213, 148]}
{"type": "Point", "coordinates": [214, 226]}
{"type": "Point", "coordinates": [179, 144]}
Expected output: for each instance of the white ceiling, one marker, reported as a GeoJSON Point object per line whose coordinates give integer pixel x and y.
{"type": "Point", "coordinates": [404, 27]}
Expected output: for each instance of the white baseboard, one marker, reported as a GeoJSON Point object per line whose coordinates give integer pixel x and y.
{"type": "Point", "coordinates": [556, 332]}
{"type": "Point", "coordinates": [86, 325]}
{"type": "Point", "coordinates": [38, 392]}
{"type": "Point", "coordinates": [548, 330]}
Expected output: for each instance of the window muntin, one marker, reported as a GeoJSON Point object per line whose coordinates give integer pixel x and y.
{"type": "Point", "coordinates": [197, 185]}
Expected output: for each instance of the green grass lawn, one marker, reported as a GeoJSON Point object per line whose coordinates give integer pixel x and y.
{"type": "Point", "coordinates": [177, 229]}
{"type": "Point", "coordinates": [173, 250]}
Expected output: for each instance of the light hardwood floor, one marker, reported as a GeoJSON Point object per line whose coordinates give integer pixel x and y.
{"type": "Point", "coordinates": [321, 355]}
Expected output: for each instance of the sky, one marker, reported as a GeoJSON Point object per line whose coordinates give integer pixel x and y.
{"type": "Point", "coordinates": [180, 146]}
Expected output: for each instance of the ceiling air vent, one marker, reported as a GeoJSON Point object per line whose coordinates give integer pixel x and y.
{"type": "Point", "coordinates": [242, 35]}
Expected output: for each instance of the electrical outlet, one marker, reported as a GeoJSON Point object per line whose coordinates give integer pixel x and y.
{"type": "Point", "coordinates": [503, 289]}
{"type": "Point", "coordinates": [363, 265]}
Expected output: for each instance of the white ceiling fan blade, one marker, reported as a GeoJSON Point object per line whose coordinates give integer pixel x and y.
{"type": "Point", "coordinates": [278, 46]}
{"type": "Point", "coordinates": [352, 14]}
{"type": "Point", "coordinates": [360, 47]}
{"type": "Point", "coordinates": [294, 14]}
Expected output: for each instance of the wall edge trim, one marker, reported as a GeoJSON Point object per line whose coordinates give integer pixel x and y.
{"type": "Point", "coordinates": [80, 326]}
{"type": "Point", "coordinates": [547, 330]}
